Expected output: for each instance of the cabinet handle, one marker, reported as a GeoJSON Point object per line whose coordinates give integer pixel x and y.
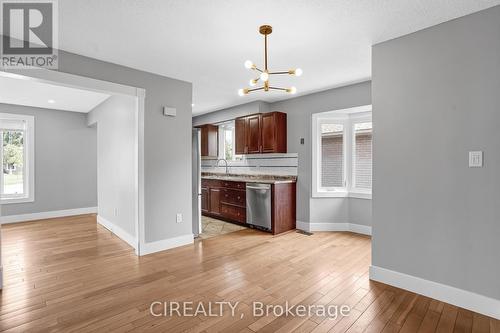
{"type": "Point", "coordinates": [239, 197]}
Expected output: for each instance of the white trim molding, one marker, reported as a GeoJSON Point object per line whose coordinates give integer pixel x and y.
{"type": "Point", "coordinates": [351, 227]}
{"type": "Point", "coordinates": [118, 231]}
{"type": "Point", "coordinates": [28, 130]}
{"type": "Point", "coordinates": [458, 297]}
{"type": "Point", "coordinates": [166, 244]}
{"type": "Point", "coordinates": [47, 215]}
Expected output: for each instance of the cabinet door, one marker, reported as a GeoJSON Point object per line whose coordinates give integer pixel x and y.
{"type": "Point", "coordinates": [214, 196]}
{"type": "Point", "coordinates": [274, 132]}
{"type": "Point", "coordinates": [268, 133]}
{"type": "Point", "coordinates": [204, 200]}
{"type": "Point", "coordinates": [253, 130]}
{"type": "Point", "coordinates": [240, 136]}
{"type": "Point", "coordinates": [209, 140]}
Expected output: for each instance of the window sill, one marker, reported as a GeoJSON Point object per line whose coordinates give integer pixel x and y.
{"type": "Point", "coordinates": [360, 195]}
{"type": "Point", "coordinates": [343, 194]}
{"type": "Point", "coordinates": [331, 194]}
{"type": "Point", "coordinates": [16, 200]}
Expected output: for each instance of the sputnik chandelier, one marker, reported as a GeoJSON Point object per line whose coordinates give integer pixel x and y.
{"type": "Point", "coordinates": [264, 74]}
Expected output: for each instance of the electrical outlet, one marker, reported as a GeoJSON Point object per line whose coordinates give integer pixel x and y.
{"type": "Point", "coordinates": [178, 218]}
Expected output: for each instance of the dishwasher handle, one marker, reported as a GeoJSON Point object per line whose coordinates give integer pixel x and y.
{"type": "Point", "coordinates": [268, 187]}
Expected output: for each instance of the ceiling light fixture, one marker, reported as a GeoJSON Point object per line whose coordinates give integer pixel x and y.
{"type": "Point", "coordinates": [51, 101]}
{"type": "Point", "coordinates": [264, 74]}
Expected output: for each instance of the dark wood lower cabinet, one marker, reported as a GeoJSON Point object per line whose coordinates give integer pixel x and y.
{"type": "Point", "coordinates": [283, 207]}
{"type": "Point", "coordinates": [215, 194]}
{"type": "Point", "coordinates": [226, 200]}
{"type": "Point", "coordinates": [205, 204]}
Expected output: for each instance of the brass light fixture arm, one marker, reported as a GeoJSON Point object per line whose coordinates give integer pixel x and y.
{"type": "Point", "coordinates": [265, 52]}
{"type": "Point", "coordinates": [279, 73]}
{"type": "Point", "coordinates": [255, 89]}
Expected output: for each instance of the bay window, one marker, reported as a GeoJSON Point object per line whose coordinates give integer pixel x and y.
{"type": "Point", "coordinates": [17, 155]}
{"type": "Point", "coordinates": [342, 153]}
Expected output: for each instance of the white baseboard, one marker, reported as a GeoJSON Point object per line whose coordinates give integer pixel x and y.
{"type": "Point", "coordinates": [458, 297]}
{"type": "Point", "coordinates": [360, 229]}
{"type": "Point", "coordinates": [352, 227]}
{"type": "Point", "coordinates": [166, 244]}
{"type": "Point", "coordinates": [46, 215]}
{"type": "Point", "coordinates": [119, 232]}
{"type": "Point", "coordinates": [301, 225]}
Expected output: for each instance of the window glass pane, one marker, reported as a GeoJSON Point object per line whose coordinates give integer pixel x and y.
{"type": "Point", "coordinates": [13, 161]}
{"type": "Point", "coordinates": [363, 155]}
{"type": "Point", "coordinates": [228, 143]}
{"type": "Point", "coordinates": [332, 155]}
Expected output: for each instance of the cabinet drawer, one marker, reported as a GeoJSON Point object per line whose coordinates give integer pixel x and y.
{"type": "Point", "coordinates": [232, 196]}
{"type": "Point", "coordinates": [235, 185]}
{"type": "Point", "coordinates": [211, 183]}
{"type": "Point", "coordinates": [234, 212]}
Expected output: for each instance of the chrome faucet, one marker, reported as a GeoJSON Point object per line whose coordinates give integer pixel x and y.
{"type": "Point", "coordinates": [222, 159]}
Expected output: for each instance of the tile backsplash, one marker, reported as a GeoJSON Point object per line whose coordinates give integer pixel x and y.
{"type": "Point", "coordinates": [268, 164]}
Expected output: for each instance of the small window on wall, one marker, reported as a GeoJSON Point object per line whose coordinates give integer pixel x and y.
{"type": "Point", "coordinates": [342, 153]}
{"type": "Point", "coordinates": [226, 142]}
{"type": "Point", "coordinates": [17, 155]}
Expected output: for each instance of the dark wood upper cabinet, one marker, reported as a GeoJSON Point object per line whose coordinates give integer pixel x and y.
{"type": "Point", "coordinates": [274, 132]}
{"type": "Point", "coordinates": [240, 136]}
{"type": "Point", "coordinates": [209, 140]}
{"type": "Point", "coordinates": [261, 133]}
{"type": "Point", "coordinates": [253, 131]}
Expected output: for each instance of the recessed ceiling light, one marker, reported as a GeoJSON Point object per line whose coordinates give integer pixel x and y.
{"type": "Point", "coordinates": [192, 105]}
{"type": "Point", "coordinates": [51, 101]}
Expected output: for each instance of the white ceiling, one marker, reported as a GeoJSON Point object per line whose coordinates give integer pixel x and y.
{"type": "Point", "coordinates": [207, 42]}
{"type": "Point", "coordinates": [43, 95]}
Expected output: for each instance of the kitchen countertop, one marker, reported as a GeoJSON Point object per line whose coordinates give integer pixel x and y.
{"type": "Point", "coordinates": [265, 179]}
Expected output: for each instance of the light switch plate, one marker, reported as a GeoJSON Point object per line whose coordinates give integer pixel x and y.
{"type": "Point", "coordinates": [169, 111]}
{"type": "Point", "coordinates": [475, 159]}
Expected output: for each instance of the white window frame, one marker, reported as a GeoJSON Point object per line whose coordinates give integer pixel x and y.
{"type": "Point", "coordinates": [28, 158]}
{"type": "Point", "coordinates": [222, 141]}
{"type": "Point", "coordinates": [355, 192]}
{"type": "Point", "coordinates": [346, 117]}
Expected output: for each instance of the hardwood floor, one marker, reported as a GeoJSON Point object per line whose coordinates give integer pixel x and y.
{"type": "Point", "coordinates": [70, 274]}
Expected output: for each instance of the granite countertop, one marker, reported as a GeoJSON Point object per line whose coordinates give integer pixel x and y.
{"type": "Point", "coordinates": [265, 179]}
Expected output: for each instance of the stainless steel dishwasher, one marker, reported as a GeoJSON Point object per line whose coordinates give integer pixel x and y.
{"type": "Point", "coordinates": [259, 205]}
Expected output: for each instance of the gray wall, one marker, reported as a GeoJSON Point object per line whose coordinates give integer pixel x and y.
{"type": "Point", "coordinates": [167, 142]}
{"type": "Point", "coordinates": [300, 110]}
{"type": "Point", "coordinates": [65, 161]}
{"type": "Point", "coordinates": [116, 122]}
{"type": "Point", "coordinates": [436, 97]}
{"type": "Point", "coordinates": [299, 116]}
{"type": "Point", "coordinates": [231, 113]}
